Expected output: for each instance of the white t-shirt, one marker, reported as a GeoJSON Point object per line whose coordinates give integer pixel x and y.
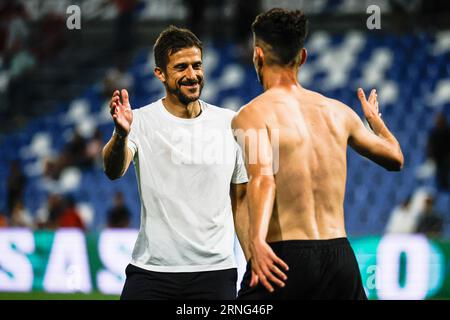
{"type": "Point", "coordinates": [184, 168]}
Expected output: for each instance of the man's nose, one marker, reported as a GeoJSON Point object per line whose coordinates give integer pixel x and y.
{"type": "Point", "coordinates": [190, 73]}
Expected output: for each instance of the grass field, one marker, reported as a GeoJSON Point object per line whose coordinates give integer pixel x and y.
{"type": "Point", "coordinates": [55, 296]}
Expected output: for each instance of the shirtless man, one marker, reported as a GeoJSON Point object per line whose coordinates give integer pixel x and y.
{"type": "Point", "coordinates": [297, 227]}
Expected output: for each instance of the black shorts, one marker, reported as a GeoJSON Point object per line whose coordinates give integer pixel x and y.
{"type": "Point", "coordinates": [142, 284]}
{"type": "Point", "coordinates": [318, 269]}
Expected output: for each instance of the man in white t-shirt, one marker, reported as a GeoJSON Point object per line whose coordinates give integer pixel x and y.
{"type": "Point", "coordinates": [191, 180]}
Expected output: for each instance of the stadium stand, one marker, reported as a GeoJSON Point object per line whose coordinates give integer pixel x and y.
{"type": "Point", "coordinates": [410, 71]}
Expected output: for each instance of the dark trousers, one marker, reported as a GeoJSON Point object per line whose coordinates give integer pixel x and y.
{"type": "Point", "coordinates": [142, 284]}
{"type": "Point", "coordinates": [318, 269]}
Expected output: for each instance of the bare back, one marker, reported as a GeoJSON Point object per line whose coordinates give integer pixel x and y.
{"type": "Point", "coordinates": [306, 135]}
{"type": "Point", "coordinates": [309, 164]}
{"type": "Point", "coordinates": [311, 174]}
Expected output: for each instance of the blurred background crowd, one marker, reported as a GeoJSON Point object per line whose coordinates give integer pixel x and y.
{"type": "Point", "coordinates": [55, 84]}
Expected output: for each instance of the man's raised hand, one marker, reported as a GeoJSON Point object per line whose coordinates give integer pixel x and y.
{"type": "Point", "coordinates": [370, 107]}
{"type": "Point", "coordinates": [121, 113]}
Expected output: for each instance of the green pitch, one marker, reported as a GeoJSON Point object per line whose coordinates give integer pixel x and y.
{"type": "Point", "coordinates": [55, 296]}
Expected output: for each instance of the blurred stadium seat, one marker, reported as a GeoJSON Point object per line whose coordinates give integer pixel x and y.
{"type": "Point", "coordinates": [411, 73]}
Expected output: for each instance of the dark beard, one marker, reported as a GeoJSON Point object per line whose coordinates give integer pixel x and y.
{"type": "Point", "coordinates": [184, 99]}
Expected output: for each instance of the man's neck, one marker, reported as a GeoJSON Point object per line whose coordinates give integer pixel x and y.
{"type": "Point", "coordinates": [176, 108]}
{"type": "Point", "coordinates": [280, 77]}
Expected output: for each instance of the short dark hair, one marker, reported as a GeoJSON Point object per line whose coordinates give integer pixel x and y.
{"type": "Point", "coordinates": [171, 40]}
{"type": "Point", "coordinates": [282, 32]}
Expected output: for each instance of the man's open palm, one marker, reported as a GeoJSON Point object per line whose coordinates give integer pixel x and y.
{"type": "Point", "coordinates": [121, 113]}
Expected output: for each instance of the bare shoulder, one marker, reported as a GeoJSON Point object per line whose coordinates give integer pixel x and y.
{"type": "Point", "coordinates": [340, 111]}
{"type": "Point", "coordinates": [339, 105]}
{"type": "Point", "coordinates": [266, 101]}
{"type": "Point", "coordinates": [259, 102]}
{"type": "Point", "coordinates": [325, 101]}
{"type": "Point", "coordinates": [252, 113]}
{"type": "Point", "coordinates": [341, 108]}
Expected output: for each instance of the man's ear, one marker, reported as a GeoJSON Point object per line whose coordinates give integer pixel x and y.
{"type": "Point", "coordinates": [159, 74]}
{"type": "Point", "coordinates": [303, 56]}
{"type": "Point", "coordinates": [258, 56]}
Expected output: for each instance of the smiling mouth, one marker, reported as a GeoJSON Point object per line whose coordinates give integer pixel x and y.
{"type": "Point", "coordinates": [191, 86]}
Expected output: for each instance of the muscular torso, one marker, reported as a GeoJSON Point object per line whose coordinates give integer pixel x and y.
{"type": "Point", "coordinates": [311, 174]}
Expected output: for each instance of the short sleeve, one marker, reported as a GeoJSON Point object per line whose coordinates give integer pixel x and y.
{"type": "Point", "coordinates": [132, 142]}
{"type": "Point", "coordinates": [239, 173]}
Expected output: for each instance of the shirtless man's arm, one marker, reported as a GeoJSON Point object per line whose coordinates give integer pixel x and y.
{"type": "Point", "coordinates": [116, 155]}
{"type": "Point", "coordinates": [380, 146]}
{"type": "Point", "coordinates": [261, 195]}
{"type": "Point", "coordinates": [238, 195]}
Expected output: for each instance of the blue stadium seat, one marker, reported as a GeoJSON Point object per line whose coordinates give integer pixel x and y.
{"type": "Point", "coordinates": [372, 192]}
